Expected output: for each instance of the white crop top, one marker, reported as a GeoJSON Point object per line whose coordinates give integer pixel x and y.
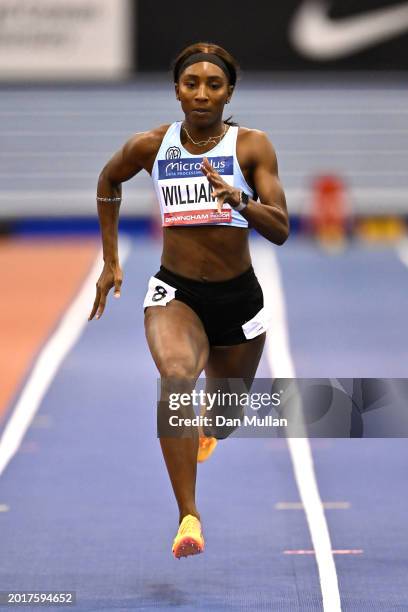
{"type": "Point", "coordinates": [182, 189]}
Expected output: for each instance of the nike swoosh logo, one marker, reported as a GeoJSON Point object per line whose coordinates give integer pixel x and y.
{"type": "Point", "coordinates": [314, 34]}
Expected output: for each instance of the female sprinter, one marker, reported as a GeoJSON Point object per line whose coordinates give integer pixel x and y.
{"type": "Point", "coordinates": [204, 308]}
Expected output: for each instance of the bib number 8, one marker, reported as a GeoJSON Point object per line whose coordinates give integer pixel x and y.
{"type": "Point", "coordinates": [159, 293]}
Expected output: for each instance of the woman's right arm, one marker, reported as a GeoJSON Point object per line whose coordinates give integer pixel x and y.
{"type": "Point", "coordinates": [125, 164]}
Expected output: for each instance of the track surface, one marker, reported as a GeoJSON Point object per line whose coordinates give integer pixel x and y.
{"type": "Point", "coordinates": [90, 508]}
{"type": "Point", "coordinates": [85, 504]}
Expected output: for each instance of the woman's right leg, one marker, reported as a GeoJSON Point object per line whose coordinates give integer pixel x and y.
{"type": "Point", "coordinates": [179, 347]}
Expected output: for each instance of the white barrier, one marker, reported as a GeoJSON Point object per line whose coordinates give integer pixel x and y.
{"type": "Point", "coordinates": [65, 39]}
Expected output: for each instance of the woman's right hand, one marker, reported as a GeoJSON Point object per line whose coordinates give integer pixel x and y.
{"type": "Point", "coordinates": [111, 277]}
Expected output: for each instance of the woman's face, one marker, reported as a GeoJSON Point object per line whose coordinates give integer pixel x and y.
{"type": "Point", "coordinates": [203, 90]}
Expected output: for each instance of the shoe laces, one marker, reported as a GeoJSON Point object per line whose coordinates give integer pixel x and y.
{"type": "Point", "coordinates": [204, 442]}
{"type": "Point", "coordinates": [189, 523]}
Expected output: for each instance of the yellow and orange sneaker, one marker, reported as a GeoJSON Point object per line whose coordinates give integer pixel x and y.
{"type": "Point", "coordinates": [189, 539]}
{"type": "Point", "coordinates": [206, 447]}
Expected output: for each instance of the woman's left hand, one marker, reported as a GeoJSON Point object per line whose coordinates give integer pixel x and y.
{"type": "Point", "coordinates": [220, 189]}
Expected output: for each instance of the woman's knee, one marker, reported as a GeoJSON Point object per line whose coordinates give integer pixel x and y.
{"type": "Point", "coordinates": [177, 375]}
{"type": "Point", "coordinates": [178, 368]}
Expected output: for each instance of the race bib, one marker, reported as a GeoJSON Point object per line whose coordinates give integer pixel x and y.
{"type": "Point", "coordinates": [158, 293]}
{"type": "Point", "coordinates": [185, 193]}
{"type": "Point", "coordinates": [258, 324]}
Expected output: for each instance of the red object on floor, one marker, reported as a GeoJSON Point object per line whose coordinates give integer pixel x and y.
{"type": "Point", "coordinates": [329, 209]}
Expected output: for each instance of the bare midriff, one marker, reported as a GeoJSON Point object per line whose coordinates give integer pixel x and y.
{"type": "Point", "coordinates": [210, 253]}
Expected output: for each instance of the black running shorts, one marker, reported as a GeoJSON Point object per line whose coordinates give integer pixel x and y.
{"type": "Point", "coordinates": [232, 311]}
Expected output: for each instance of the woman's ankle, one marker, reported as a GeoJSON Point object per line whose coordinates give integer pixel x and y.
{"type": "Point", "coordinates": [186, 511]}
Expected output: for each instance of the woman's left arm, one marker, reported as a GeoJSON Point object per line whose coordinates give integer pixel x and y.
{"type": "Point", "coordinates": [269, 216]}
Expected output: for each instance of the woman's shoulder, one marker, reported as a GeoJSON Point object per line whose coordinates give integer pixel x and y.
{"type": "Point", "coordinates": [252, 135]}
{"type": "Point", "coordinates": [144, 146]}
{"type": "Point", "coordinates": [253, 144]}
{"type": "Point", "coordinates": [150, 140]}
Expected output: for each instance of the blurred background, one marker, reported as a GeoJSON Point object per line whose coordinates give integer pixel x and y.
{"type": "Point", "coordinates": [328, 86]}
{"type": "Point", "coordinates": [327, 81]}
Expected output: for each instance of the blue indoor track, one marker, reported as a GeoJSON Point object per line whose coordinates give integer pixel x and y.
{"type": "Point", "coordinates": [90, 505]}
{"type": "Point", "coordinates": [86, 504]}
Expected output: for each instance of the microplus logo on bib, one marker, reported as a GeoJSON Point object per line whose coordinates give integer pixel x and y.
{"type": "Point", "coordinates": [187, 167]}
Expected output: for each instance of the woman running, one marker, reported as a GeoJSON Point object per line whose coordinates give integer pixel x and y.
{"type": "Point", "coordinates": [204, 309]}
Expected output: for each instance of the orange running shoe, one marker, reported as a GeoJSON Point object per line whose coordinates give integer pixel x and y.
{"type": "Point", "coordinates": [206, 447]}
{"type": "Point", "coordinates": [189, 539]}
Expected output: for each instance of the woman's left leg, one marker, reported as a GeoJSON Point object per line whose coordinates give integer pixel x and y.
{"type": "Point", "coordinates": [236, 361]}
{"type": "Point", "coordinates": [225, 362]}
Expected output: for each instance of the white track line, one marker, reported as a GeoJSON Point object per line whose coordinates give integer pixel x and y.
{"type": "Point", "coordinates": [49, 360]}
{"type": "Point", "coordinates": [281, 365]}
{"type": "Point", "coordinates": [402, 251]}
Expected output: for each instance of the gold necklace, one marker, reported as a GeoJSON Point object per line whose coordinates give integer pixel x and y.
{"type": "Point", "coordinates": [203, 143]}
